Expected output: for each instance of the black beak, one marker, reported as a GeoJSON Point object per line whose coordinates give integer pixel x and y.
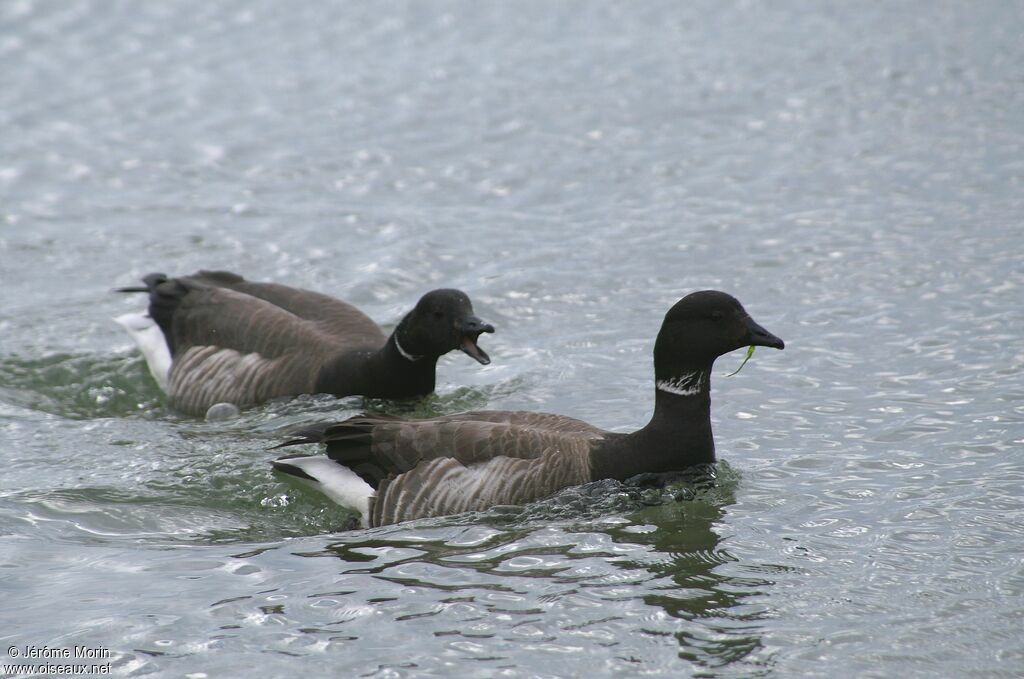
{"type": "Point", "coordinates": [470, 329]}
{"type": "Point", "coordinates": [758, 336]}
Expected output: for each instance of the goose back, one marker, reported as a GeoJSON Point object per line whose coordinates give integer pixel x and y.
{"type": "Point", "coordinates": [346, 324]}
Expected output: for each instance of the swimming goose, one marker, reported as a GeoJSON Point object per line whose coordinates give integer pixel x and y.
{"type": "Point", "coordinates": [393, 470]}
{"type": "Point", "coordinates": [215, 337]}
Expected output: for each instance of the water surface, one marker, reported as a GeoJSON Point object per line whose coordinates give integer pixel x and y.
{"type": "Point", "coordinates": [852, 173]}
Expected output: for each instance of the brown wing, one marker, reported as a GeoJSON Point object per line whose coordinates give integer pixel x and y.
{"type": "Point", "coordinates": [377, 447]}
{"type": "Point", "coordinates": [526, 419]}
{"type": "Point", "coordinates": [349, 326]}
{"type": "Point", "coordinates": [243, 342]}
{"type": "Point", "coordinates": [232, 347]}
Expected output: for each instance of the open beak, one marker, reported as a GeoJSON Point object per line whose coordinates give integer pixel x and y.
{"type": "Point", "coordinates": [758, 336]}
{"type": "Point", "coordinates": [470, 329]}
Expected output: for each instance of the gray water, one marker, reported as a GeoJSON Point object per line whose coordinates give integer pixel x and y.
{"type": "Point", "coordinates": [851, 171]}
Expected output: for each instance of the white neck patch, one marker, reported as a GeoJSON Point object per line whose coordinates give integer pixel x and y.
{"type": "Point", "coordinates": [687, 384]}
{"type": "Point", "coordinates": [405, 354]}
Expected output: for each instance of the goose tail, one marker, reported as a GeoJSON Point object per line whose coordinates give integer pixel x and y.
{"type": "Point", "coordinates": [151, 342]}
{"type": "Point", "coordinates": [336, 481]}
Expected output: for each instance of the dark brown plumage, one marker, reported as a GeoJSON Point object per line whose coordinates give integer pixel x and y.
{"type": "Point", "coordinates": [394, 470]}
{"type": "Point", "coordinates": [235, 341]}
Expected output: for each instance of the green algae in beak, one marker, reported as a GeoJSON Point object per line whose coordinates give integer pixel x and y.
{"type": "Point", "coordinates": [750, 352]}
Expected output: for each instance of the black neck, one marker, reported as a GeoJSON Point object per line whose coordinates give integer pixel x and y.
{"type": "Point", "coordinates": [384, 373]}
{"type": "Point", "coordinates": [677, 437]}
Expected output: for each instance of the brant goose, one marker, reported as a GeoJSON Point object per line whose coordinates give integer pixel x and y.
{"type": "Point", "coordinates": [393, 470]}
{"type": "Point", "coordinates": [214, 338]}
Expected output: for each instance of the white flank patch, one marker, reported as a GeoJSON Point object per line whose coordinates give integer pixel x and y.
{"type": "Point", "coordinates": [687, 384]}
{"type": "Point", "coordinates": [152, 343]}
{"type": "Point", "coordinates": [336, 481]}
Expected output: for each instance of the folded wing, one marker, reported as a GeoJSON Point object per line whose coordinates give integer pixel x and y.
{"type": "Point", "coordinates": [349, 326]}
{"type": "Point", "coordinates": [232, 346]}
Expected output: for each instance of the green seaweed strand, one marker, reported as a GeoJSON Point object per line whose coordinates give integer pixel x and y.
{"type": "Point", "coordinates": [750, 352]}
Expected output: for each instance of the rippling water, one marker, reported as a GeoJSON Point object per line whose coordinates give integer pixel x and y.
{"type": "Point", "coordinates": [852, 173]}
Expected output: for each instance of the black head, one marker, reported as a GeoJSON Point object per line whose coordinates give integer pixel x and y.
{"type": "Point", "coordinates": [443, 320]}
{"type": "Point", "coordinates": [701, 327]}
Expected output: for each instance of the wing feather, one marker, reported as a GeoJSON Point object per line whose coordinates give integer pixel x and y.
{"type": "Point", "coordinates": [397, 446]}
{"type": "Point", "coordinates": [346, 324]}
{"type": "Point", "coordinates": [230, 346]}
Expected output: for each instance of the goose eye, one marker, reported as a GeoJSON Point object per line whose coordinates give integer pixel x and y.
{"type": "Point", "coordinates": [438, 315]}
{"type": "Point", "coordinates": [716, 315]}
